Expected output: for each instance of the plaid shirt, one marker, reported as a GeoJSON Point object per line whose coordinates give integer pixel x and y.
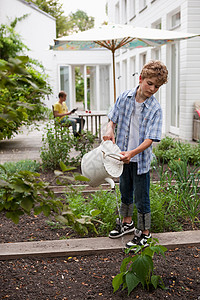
{"type": "Point", "coordinates": [150, 124]}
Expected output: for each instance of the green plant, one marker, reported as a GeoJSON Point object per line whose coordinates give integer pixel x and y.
{"type": "Point", "coordinates": [22, 192]}
{"type": "Point", "coordinates": [23, 84]}
{"type": "Point", "coordinates": [139, 269]}
{"type": "Point", "coordinates": [83, 145]}
{"type": "Point", "coordinates": [59, 143]}
{"type": "Point", "coordinates": [80, 223]}
{"type": "Point", "coordinates": [169, 149]}
{"type": "Point", "coordinates": [22, 165]}
{"type": "Point", "coordinates": [102, 201]}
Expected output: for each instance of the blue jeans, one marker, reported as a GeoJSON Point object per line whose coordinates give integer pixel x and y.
{"type": "Point", "coordinates": [73, 122]}
{"type": "Point", "coordinates": [135, 189]}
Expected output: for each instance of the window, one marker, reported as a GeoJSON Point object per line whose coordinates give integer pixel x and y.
{"type": "Point", "coordinates": [104, 87]}
{"type": "Point", "coordinates": [133, 72]}
{"type": "Point", "coordinates": [157, 24]}
{"type": "Point", "coordinates": [143, 59]}
{"type": "Point", "coordinates": [176, 20]}
{"type": "Point", "coordinates": [64, 82]}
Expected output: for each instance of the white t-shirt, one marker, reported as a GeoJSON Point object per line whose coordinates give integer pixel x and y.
{"type": "Point", "coordinates": [134, 130]}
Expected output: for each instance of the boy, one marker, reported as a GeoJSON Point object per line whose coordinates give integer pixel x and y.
{"type": "Point", "coordinates": [139, 118]}
{"type": "Point", "coordinates": [61, 111]}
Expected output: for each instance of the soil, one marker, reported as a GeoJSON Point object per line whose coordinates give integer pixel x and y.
{"type": "Point", "coordinates": [86, 277]}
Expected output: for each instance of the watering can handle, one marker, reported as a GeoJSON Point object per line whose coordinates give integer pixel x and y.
{"type": "Point", "coordinates": [113, 155]}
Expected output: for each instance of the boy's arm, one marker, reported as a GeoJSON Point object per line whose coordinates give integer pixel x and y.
{"type": "Point", "coordinates": [129, 154]}
{"type": "Point", "coordinates": [110, 132]}
{"type": "Point", "coordinates": [57, 114]}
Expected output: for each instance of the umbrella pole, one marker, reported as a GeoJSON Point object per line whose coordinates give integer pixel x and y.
{"type": "Point", "coordinates": [114, 82]}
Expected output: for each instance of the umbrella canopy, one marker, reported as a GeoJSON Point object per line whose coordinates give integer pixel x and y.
{"type": "Point", "coordinates": [115, 36]}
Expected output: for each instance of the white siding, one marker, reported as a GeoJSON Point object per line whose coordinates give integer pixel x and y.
{"type": "Point", "coordinates": [189, 72]}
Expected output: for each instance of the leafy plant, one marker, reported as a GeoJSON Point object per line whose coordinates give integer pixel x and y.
{"type": "Point", "coordinates": [59, 143]}
{"type": "Point", "coordinates": [80, 223]}
{"type": "Point", "coordinates": [22, 192]}
{"type": "Point", "coordinates": [139, 269]}
{"type": "Point", "coordinates": [22, 165]}
{"type": "Point", "coordinates": [102, 201]}
{"type": "Point", "coordinates": [23, 84]}
{"type": "Point", "coordinates": [169, 149]}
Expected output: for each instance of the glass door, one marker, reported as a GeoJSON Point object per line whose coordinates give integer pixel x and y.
{"type": "Point", "coordinates": [64, 83]}
{"type": "Point", "coordinates": [91, 88]}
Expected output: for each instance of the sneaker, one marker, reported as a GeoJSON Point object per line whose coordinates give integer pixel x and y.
{"type": "Point", "coordinates": [139, 239]}
{"type": "Point", "coordinates": [121, 229]}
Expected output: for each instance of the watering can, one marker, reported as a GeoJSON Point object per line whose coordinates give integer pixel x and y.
{"type": "Point", "coordinates": [102, 164]}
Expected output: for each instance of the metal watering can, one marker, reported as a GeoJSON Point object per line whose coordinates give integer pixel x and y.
{"type": "Point", "coordinates": [102, 164]}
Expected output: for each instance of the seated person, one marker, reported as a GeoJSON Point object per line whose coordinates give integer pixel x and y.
{"type": "Point", "coordinates": [61, 111]}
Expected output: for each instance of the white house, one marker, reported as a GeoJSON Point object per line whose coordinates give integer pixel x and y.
{"type": "Point", "coordinates": [38, 31]}
{"type": "Point", "coordinates": [182, 58]}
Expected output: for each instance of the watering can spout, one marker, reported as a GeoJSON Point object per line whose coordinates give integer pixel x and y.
{"type": "Point", "coordinates": [111, 182]}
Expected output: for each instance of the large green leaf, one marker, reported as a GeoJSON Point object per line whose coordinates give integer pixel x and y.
{"type": "Point", "coordinates": [19, 186]}
{"type": "Point", "coordinates": [155, 279]}
{"type": "Point", "coordinates": [65, 168]}
{"type": "Point", "coordinates": [117, 281]}
{"type": "Point", "coordinates": [14, 216]}
{"type": "Point", "coordinates": [46, 210]}
{"type": "Point", "coordinates": [27, 204]}
{"type": "Point", "coordinates": [141, 267]}
{"type": "Point", "coordinates": [81, 178]}
{"type": "Point", "coordinates": [132, 281]}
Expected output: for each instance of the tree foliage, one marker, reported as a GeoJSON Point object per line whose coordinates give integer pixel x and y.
{"type": "Point", "coordinates": [79, 21]}
{"type": "Point", "coordinates": [22, 86]}
{"type": "Point", "coordinates": [65, 25]}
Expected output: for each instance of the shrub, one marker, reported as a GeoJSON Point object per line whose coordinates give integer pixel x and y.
{"type": "Point", "coordinates": [59, 144]}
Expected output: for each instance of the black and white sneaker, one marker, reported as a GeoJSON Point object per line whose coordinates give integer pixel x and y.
{"type": "Point", "coordinates": [121, 229]}
{"type": "Point", "coordinates": [139, 239]}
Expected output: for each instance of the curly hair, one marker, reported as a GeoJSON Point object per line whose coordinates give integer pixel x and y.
{"type": "Point", "coordinates": [155, 68]}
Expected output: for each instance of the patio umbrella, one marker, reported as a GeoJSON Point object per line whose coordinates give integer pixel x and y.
{"type": "Point", "coordinates": [115, 36]}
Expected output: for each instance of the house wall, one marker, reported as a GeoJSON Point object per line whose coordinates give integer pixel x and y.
{"type": "Point", "coordinates": [148, 14]}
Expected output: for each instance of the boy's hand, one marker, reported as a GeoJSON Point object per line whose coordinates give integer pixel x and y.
{"type": "Point", "coordinates": [108, 137]}
{"type": "Point", "coordinates": [127, 155]}
{"type": "Point", "coordinates": [73, 110]}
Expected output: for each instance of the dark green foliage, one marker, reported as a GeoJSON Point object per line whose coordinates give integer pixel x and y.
{"type": "Point", "coordinates": [169, 149]}
{"type": "Point", "coordinates": [22, 165]}
{"type": "Point", "coordinates": [58, 144]}
{"type": "Point", "coordinates": [22, 87]}
{"type": "Point", "coordinates": [22, 192]}
{"type": "Point", "coordinates": [139, 268]}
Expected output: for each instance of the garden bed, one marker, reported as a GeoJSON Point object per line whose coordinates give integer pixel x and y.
{"type": "Point", "coordinates": [86, 277]}
{"type": "Point", "coordinates": [90, 277]}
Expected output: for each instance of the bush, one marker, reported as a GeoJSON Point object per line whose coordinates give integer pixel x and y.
{"type": "Point", "coordinates": [169, 149]}
{"type": "Point", "coordinates": [22, 165]}
{"type": "Point", "coordinates": [59, 143]}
